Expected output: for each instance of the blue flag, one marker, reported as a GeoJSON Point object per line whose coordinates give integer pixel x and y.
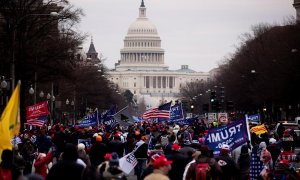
{"type": "Point", "coordinates": [165, 107]}
{"type": "Point", "coordinates": [234, 134]}
{"type": "Point", "coordinates": [89, 120]}
{"type": "Point", "coordinates": [255, 118]}
{"type": "Point", "coordinates": [176, 112]}
{"type": "Point", "coordinates": [187, 121]}
{"type": "Point", "coordinates": [108, 119]}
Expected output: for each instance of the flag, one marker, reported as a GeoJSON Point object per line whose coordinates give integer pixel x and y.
{"type": "Point", "coordinates": [89, 120]}
{"type": "Point", "coordinates": [137, 118]}
{"type": "Point", "coordinates": [37, 114]}
{"type": "Point", "coordinates": [10, 120]}
{"type": "Point", "coordinates": [109, 120]}
{"type": "Point", "coordinates": [176, 112]}
{"type": "Point", "coordinates": [187, 121]}
{"type": "Point", "coordinates": [261, 129]}
{"type": "Point", "coordinates": [162, 112]}
{"type": "Point", "coordinates": [107, 114]}
{"type": "Point", "coordinates": [149, 114]}
{"type": "Point", "coordinates": [37, 121]}
{"type": "Point", "coordinates": [124, 118]}
{"type": "Point", "coordinates": [234, 134]}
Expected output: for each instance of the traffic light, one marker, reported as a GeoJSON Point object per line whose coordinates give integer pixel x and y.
{"type": "Point", "coordinates": [184, 105]}
{"type": "Point", "coordinates": [213, 97]}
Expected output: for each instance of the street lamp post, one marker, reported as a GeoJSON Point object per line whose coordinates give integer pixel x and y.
{"type": "Point", "coordinates": [53, 14]}
{"type": "Point", "coordinates": [3, 86]}
{"type": "Point", "coordinates": [31, 92]}
{"type": "Point", "coordinates": [51, 98]}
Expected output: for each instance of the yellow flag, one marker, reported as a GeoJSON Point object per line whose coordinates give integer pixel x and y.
{"type": "Point", "coordinates": [261, 129]}
{"type": "Point", "coordinates": [10, 120]}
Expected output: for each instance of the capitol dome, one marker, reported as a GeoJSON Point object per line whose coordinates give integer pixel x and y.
{"type": "Point", "coordinates": [142, 46]}
{"type": "Point", "coordinates": [142, 26]}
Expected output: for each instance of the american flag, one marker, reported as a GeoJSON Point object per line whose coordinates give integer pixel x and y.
{"type": "Point", "coordinates": [162, 111]}
{"type": "Point", "coordinates": [37, 121]}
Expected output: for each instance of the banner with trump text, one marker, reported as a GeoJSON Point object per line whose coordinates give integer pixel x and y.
{"type": "Point", "coordinates": [234, 134]}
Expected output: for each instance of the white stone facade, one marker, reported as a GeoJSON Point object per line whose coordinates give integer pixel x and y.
{"type": "Point", "coordinates": [141, 68]}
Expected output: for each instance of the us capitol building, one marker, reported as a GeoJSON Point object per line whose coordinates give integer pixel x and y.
{"type": "Point", "coordinates": [141, 68]}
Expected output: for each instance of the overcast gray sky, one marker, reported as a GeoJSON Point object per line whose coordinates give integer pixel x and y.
{"type": "Point", "coordinates": [199, 33]}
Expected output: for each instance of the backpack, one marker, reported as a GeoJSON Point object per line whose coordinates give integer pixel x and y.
{"type": "Point", "coordinates": [164, 141]}
{"type": "Point", "coordinates": [202, 171]}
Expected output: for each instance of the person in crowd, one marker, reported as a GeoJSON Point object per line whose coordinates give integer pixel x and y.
{"type": "Point", "coordinates": [8, 171]}
{"type": "Point", "coordinates": [27, 151]}
{"type": "Point", "coordinates": [227, 164]}
{"type": "Point", "coordinates": [172, 139]}
{"type": "Point", "coordinates": [280, 130]}
{"type": "Point", "coordinates": [59, 139]}
{"type": "Point", "coordinates": [161, 169]}
{"type": "Point", "coordinates": [98, 151]}
{"type": "Point", "coordinates": [179, 162]}
{"type": "Point", "coordinates": [149, 169]}
{"type": "Point", "coordinates": [41, 162]}
{"type": "Point", "coordinates": [195, 156]}
{"type": "Point", "coordinates": [283, 171]}
{"type": "Point", "coordinates": [274, 149]}
{"type": "Point", "coordinates": [266, 158]}
{"type": "Point", "coordinates": [83, 155]}
{"type": "Point", "coordinates": [186, 136]}
{"type": "Point", "coordinates": [67, 168]}
{"type": "Point", "coordinates": [141, 154]}
{"type": "Point", "coordinates": [164, 139]}
{"type": "Point", "coordinates": [287, 153]}
{"type": "Point", "coordinates": [204, 166]}
{"type": "Point", "coordinates": [110, 170]}
{"type": "Point", "coordinates": [116, 145]}
{"type": "Point", "coordinates": [243, 163]}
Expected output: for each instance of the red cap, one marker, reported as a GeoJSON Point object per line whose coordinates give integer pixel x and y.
{"type": "Point", "coordinates": [161, 161]}
{"type": "Point", "coordinates": [175, 147]}
{"type": "Point", "coordinates": [154, 156]}
{"type": "Point", "coordinates": [107, 156]}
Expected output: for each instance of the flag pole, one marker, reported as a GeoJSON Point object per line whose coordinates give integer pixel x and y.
{"type": "Point", "coordinates": [121, 110]}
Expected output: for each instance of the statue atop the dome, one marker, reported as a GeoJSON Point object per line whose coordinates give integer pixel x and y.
{"type": "Point", "coordinates": [142, 4]}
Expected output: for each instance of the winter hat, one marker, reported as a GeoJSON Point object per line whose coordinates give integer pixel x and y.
{"type": "Point", "coordinates": [114, 160]}
{"type": "Point", "coordinates": [80, 146]}
{"type": "Point", "coordinates": [98, 138]}
{"type": "Point", "coordinates": [272, 141]}
{"type": "Point", "coordinates": [262, 145]}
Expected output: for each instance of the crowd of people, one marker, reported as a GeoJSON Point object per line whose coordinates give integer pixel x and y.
{"type": "Point", "coordinates": [162, 152]}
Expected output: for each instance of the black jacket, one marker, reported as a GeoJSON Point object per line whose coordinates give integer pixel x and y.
{"type": "Point", "coordinates": [65, 170]}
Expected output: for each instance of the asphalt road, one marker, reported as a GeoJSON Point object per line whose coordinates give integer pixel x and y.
{"type": "Point", "coordinates": [131, 176]}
